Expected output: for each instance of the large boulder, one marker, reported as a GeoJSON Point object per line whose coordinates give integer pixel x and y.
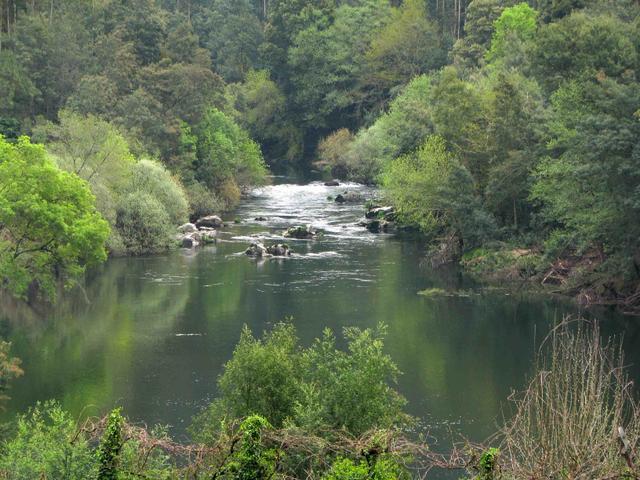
{"type": "Point", "coordinates": [189, 241]}
{"type": "Point", "coordinates": [301, 232]}
{"type": "Point", "coordinates": [256, 249]}
{"type": "Point", "coordinates": [387, 213]}
{"type": "Point", "coordinates": [348, 197]}
{"type": "Point", "coordinates": [210, 221]}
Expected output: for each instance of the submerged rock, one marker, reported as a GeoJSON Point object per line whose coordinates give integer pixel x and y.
{"type": "Point", "coordinates": [260, 219]}
{"type": "Point", "coordinates": [279, 250]}
{"type": "Point", "coordinates": [257, 249]}
{"type": "Point", "coordinates": [190, 237]}
{"type": "Point", "coordinates": [377, 225]}
{"type": "Point", "coordinates": [301, 232]}
{"type": "Point", "coordinates": [211, 221]}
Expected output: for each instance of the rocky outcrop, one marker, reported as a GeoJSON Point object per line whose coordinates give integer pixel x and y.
{"type": "Point", "coordinates": [379, 219]}
{"type": "Point", "coordinates": [258, 250]}
{"type": "Point", "coordinates": [191, 236]}
{"type": "Point", "coordinates": [302, 232]}
{"type": "Point", "coordinates": [210, 221]}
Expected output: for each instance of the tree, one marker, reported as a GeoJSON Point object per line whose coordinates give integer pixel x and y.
{"type": "Point", "coordinates": [587, 187]}
{"type": "Point", "coordinates": [581, 45]}
{"type": "Point", "coordinates": [435, 193]}
{"type": "Point", "coordinates": [407, 46]}
{"type": "Point", "coordinates": [515, 24]}
{"type": "Point", "coordinates": [260, 106]}
{"type": "Point", "coordinates": [226, 157]}
{"type": "Point", "coordinates": [49, 227]}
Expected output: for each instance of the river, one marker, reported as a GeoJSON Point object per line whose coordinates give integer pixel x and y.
{"type": "Point", "coordinates": [152, 333]}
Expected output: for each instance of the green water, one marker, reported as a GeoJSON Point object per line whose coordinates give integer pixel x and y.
{"type": "Point", "coordinates": [151, 334]}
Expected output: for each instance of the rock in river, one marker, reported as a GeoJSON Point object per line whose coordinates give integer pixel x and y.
{"type": "Point", "coordinates": [257, 249]}
{"type": "Point", "coordinates": [211, 221]}
{"type": "Point", "coordinates": [348, 197]}
{"type": "Point", "coordinates": [301, 232]}
{"type": "Point", "coordinates": [187, 228]}
{"type": "Point", "coordinates": [332, 183]}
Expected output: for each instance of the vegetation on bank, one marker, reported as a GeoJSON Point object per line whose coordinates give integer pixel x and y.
{"type": "Point", "coordinates": [334, 414]}
{"type": "Point", "coordinates": [528, 139]}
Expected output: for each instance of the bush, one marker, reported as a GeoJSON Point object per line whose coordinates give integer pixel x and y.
{"type": "Point", "coordinates": [152, 178]}
{"type": "Point", "coordinates": [576, 413]}
{"type": "Point", "coordinates": [332, 153]}
{"type": "Point", "coordinates": [46, 445]}
{"type": "Point", "coordinates": [202, 201]}
{"type": "Point", "coordinates": [316, 389]}
{"type": "Point", "coordinates": [143, 224]}
{"type": "Point", "coordinates": [380, 469]}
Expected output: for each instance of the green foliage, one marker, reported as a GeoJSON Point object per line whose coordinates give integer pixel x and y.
{"type": "Point", "coordinates": [260, 105]}
{"type": "Point", "coordinates": [580, 45]}
{"type": "Point", "coordinates": [350, 389]}
{"type": "Point", "coordinates": [407, 46]}
{"type": "Point", "coordinates": [226, 154]}
{"type": "Point", "coordinates": [515, 24]}
{"type": "Point", "coordinates": [488, 464]}
{"type": "Point", "coordinates": [316, 389]}
{"type": "Point", "coordinates": [152, 178]}
{"type": "Point", "coordinates": [49, 227]}
{"type": "Point", "coordinates": [253, 461]}
{"type": "Point", "coordinates": [46, 445]}
{"type": "Point", "coordinates": [143, 225]}
{"type": "Point", "coordinates": [381, 469]}
{"type": "Point", "coordinates": [434, 192]}
{"type": "Point", "coordinates": [108, 454]}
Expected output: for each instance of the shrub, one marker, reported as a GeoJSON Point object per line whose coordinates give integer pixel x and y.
{"type": "Point", "coordinates": [576, 413]}
{"type": "Point", "coordinates": [152, 178]}
{"type": "Point", "coordinates": [202, 201]}
{"type": "Point", "coordinates": [46, 445]}
{"type": "Point", "coordinates": [332, 153]}
{"type": "Point", "coordinates": [110, 447]}
{"type": "Point", "coordinates": [143, 224]}
{"type": "Point", "coordinates": [316, 389]}
{"type": "Point", "coordinates": [225, 153]}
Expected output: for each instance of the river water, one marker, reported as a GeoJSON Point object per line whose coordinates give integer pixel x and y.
{"type": "Point", "coordinates": [152, 333]}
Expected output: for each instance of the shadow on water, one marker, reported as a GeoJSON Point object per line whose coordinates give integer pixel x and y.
{"type": "Point", "coordinates": [152, 333]}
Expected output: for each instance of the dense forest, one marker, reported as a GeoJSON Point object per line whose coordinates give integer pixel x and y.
{"type": "Point", "coordinates": [507, 133]}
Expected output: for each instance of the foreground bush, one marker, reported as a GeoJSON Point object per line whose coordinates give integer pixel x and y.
{"type": "Point", "coordinates": [579, 417]}
{"type": "Point", "coordinates": [315, 389]}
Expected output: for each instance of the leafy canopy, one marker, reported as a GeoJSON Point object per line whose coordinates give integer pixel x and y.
{"type": "Point", "coordinates": [49, 227]}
